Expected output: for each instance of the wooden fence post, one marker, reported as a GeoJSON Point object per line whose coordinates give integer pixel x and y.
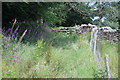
{"type": "Point", "coordinates": [94, 46]}
{"type": "Point", "coordinates": [107, 67]}
{"type": "Point", "coordinates": [92, 40]}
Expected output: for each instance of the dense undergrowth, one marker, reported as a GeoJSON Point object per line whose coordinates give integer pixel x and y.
{"type": "Point", "coordinates": [53, 55]}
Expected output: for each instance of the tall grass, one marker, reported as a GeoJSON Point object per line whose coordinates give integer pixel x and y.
{"type": "Point", "coordinates": [47, 60]}
{"type": "Point", "coordinates": [110, 48]}
{"type": "Point", "coordinates": [1, 50]}
{"type": "Point", "coordinates": [55, 55]}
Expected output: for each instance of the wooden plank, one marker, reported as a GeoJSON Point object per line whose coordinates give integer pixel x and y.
{"type": "Point", "coordinates": [61, 30]}
{"type": "Point", "coordinates": [65, 27]}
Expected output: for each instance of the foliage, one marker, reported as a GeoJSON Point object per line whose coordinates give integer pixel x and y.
{"type": "Point", "coordinates": [50, 13]}
{"type": "Point", "coordinates": [55, 59]}
{"type": "Point", "coordinates": [41, 52]}
{"type": "Point", "coordinates": [107, 47]}
{"type": "Point", "coordinates": [61, 14]}
{"type": "Point", "coordinates": [99, 74]}
{"type": "Point", "coordinates": [40, 12]}
{"type": "Point", "coordinates": [77, 13]}
{"type": "Point", "coordinates": [106, 11]}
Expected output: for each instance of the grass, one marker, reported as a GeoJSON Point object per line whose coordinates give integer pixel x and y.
{"type": "Point", "coordinates": [47, 60]}
{"type": "Point", "coordinates": [1, 50]}
{"type": "Point", "coordinates": [111, 49]}
{"type": "Point", "coordinates": [59, 55]}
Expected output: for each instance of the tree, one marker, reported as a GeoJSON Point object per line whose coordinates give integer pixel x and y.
{"type": "Point", "coordinates": [106, 11]}
{"type": "Point", "coordinates": [77, 13]}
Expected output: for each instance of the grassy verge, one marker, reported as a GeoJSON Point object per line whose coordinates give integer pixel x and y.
{"type": "Point", "coordinates": [71, 58]}
{"type": "Point", "coordinates": [110, 48]}
{"type": "Point", "coordinates": [61, 55]}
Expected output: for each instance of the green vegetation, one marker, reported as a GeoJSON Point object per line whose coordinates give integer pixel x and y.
{"type": "Point", "coordinates": [63, 13]}
{"type": "Point", "coordinates": [31, 49]}
{"type": "Point", "coordinates": [66, 56]}
{"type": "Point", "coordinates": [112, 50]}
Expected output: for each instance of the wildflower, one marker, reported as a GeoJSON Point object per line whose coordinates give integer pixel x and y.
{"type": "Point", "coordinates": [15, 60]}
{"type": "Point", "coordinates": [3, 29]}
{"type": "Point", "coordinates": [13, 36]}
{"type": "Point", "coordinates": [16, 47]}
{"type": "Point", "coordinates": [14, 56]}
{"type": "Point", "coordinates": [24, 32]}
{"type": "Point", "coordinates": [5, 37]}
{"type": "Point", "coordinates": [15, 21]}
{"type": "Point", "coordinates": [9, 29]}
{"type": "Point", "coordinates": [3, 33]}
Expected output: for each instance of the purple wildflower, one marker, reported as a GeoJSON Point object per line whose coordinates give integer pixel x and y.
{"type": "Point", "coordinates": [15, 60]}
{"type": "Point", "coordinates": [14, 56]}
{"type": "Point", "coordinates": [3, 29]}
{"type": "Point", "coordinates": [24, 32]}
{"type": "Point", "coordinates": [15, 21]}
{"type": "Point", "coordinates": [13, 36]}
{"type": "Point", "coordinates": [5, 37]}
{"type": "Point", "coordinates": [3, 33]}
{"type": "Point", "coordinates": [9, 29]}
{"type": "Point", "coordinates": [16, 47]}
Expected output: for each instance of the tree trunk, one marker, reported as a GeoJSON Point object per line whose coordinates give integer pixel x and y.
{"type": "Point", "coordinates": [100, 21]}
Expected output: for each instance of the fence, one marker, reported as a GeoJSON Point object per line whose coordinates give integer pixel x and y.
{"type": "Point", "coordinates": [94, 47]}
{"type": "Point", "coordinates": [96, 34]}
{"type": "Point", "coordinates": [103, 32]}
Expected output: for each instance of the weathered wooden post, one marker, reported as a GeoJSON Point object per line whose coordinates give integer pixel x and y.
{"type": "Point", "coordinates": [94, 46]}
{"type": "Point", "coordinates": [107, 67]}
{"type": "Point", "coordinates": [96, 50]}
{"type": "Point", "coordinates": [92, 39]}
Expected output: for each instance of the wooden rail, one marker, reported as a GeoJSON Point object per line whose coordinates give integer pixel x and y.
{"type": "Point", "coordinates": [65, 27]}
{"type": "Point", "coordinates": [61, 30]}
